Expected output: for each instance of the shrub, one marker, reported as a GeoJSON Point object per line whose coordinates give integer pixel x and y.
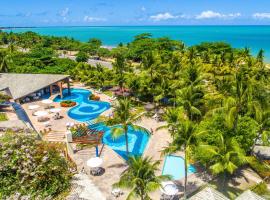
{"type": "Point", "coordinates": [82, 57]}
{"type": "Point", "coordinates": [260, 188]}
{"type": "Point", "coordinates": [67, 103]}
{"type": "Point", "coordinates": [3, 117]}
{"type": "Point", "coordinates": [262, 168]}
{"type": "Point", "coordinates": [94, 97]}
{"type": "Point", "coordinates": [4, 97]}
{"type": "Point", "coordinates": [31, 167]}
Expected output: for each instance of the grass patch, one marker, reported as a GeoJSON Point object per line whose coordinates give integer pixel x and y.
{"type": "Point", "coordinates": [108, 92]}
{"type": "Point", "coordinates": [3, 117]}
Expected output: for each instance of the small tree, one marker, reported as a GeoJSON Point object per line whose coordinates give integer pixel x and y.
{"type": "Point", "coordinates": [82, 57]}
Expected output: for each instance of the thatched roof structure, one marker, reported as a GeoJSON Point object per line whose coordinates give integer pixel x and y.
{"type": "Point", "coordinates": [21, 85]}
{"type": "Point", "coordinates": [208, 193]}
{"type": "Point", "coordinates": [249, 195]}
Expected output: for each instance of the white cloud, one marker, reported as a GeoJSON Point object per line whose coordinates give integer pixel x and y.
{"type": "Point", "coordinates": [93, 19]}
{"type": "Point", "coordinates": [165, 16]}
{"type": "Point", "coordinates": [65, 12]}
{"type": "Point", "coordinates": [261, 15]}
{"type": "Point", "coordinates": [143, 8]}
{"type": "Point", "coordinates": [209, 14]}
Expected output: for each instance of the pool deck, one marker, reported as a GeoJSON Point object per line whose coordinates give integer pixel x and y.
{"type": "Point", "coordinates": [113, 164]}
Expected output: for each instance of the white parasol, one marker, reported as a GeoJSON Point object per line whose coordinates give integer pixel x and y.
{"type": "Point", "coordinates": [41, 113]}
{"type": "Point", "coordinates": [33, 107]}
{"type": "Point", "coordinates": [94, 162]}
{"type": "Point", "coordinates": [47, 101]}
{"type": "Point", "coordinates": [169, 188]}
{"type": "Point", "coordinates": [55, 110]}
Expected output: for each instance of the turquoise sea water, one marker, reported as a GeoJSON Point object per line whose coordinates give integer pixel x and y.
{"type": "Point", "coordinates": [254, 37]}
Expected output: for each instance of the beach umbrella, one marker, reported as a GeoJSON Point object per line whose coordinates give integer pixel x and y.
{"type": "Point", "coordinates": [47, 101]}
{"type": "Point", "coordinates": [33, 107]}
{"type": "Point", "coordinates": [149, 106]}
{"type": "Point", "coordinates": [55, 110]}
{"type": "Point", "coordinates": [169, 188]}
{"type": "Point", "coordinates": [94, 162]}
{"type": "Point", "coordinates": [41, 113]}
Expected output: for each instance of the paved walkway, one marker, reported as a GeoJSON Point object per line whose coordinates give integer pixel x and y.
{"type": "Point", "coordinates": [84, 188]}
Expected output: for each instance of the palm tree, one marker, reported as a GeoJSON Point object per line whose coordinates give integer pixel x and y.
{"type": "Point", "coordinates": [140, 178]}
{"type": "Point", "coordinates": [190, 99]}
{"type": "Point", "coordinates": [223, 158]}
{"type": "Point", "coordinates": [5, 61]}
{"type": "Point", "coordinates": [120, 67]}
{"type": "Point", "coordinates": [264, 129]}
{"type": "Point", "coordinates": [124, 117]}
{"type": "Point", "coordinates": [184, 139]}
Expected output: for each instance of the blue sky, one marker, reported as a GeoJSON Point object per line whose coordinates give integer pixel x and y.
{"type": "Point", "coordinates": [133, 12]}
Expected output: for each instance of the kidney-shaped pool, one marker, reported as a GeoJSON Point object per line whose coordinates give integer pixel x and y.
{"type": "Point", "coordinates": [85, 109]}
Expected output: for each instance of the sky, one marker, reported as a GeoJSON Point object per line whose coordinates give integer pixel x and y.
{"type": "Point", "coordinates": [133, 12]}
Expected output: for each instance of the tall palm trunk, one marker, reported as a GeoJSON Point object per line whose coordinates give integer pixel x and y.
{"type": "Point", "coordinates": [126, 138]}
{"type": "Point", "coordinates": [186, 169]}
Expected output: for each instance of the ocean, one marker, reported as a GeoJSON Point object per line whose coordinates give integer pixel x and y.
{"type": "Point", "coordinates": [253, 37]}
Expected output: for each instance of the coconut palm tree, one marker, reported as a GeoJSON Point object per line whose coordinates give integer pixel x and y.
{"type": "Point", "coordinates": [5, 61]}
{"type": "Point", "coordinates": [191, 100]}
{"type": "Point", "coordinates": [120, 67]}
{"type": "Point", "coordinates": [124, 117]}
{"type": "Point", "coordinates": [264, 128]}
{"type": "Point", "coordinates": [223, 158]}
{"type": "Point", "coordinates": [184, 139]}
{"type": "Point", "coordinates": [140, 178]}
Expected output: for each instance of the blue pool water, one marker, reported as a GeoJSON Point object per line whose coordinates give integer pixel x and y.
{"type": "Point", "coordinates": [85, 109]}
{"type": "Point", "coordinates": [137, 140]}
{"type": "Point", "coordinates": [175, 166]}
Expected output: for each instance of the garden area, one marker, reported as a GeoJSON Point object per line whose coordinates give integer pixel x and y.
{"type": "Point", "coordinates": [32, 169]}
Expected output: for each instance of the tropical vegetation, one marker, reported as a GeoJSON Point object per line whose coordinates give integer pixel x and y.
{"type": "Point", "coordinates": [140, 178]}
{"type": "Point", "coordinates": [215, 96]}
{"type": "Point", "coordinates": [30, 168]}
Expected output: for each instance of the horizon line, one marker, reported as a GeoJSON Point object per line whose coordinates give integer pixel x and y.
{"type": "Point", "coordinates": [67, 26]}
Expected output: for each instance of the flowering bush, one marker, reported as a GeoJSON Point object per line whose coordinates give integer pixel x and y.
{"type": "Point", "coordinates": [68, 103]}
{"type": "Point", "coordinates": [94, 97]}
{"type": "Point", "coordinates": [32, 168]}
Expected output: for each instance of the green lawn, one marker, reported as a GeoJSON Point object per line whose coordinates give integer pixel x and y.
{"type": "Point", "coordinates": [108, 92]}
{"type": "Point", "coordinates": [3, 117]}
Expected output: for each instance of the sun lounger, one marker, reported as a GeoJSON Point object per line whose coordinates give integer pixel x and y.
{"type": "Point", "coordinates": [47, 124]}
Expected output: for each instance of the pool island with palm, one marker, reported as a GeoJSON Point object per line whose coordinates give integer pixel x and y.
{"type": "Point", "coordinates": [87, 110]}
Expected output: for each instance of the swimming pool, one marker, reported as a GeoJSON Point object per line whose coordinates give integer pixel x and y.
{"type": "Point", "coordinates": [137, 140]}
{"type": "Point", "coordinates": [85, 109]}
{"type": "Point", "coordinates": [175, 166]}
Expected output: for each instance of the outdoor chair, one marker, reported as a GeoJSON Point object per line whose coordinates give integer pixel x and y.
{"type": "Point", "coordinates": [56, 116]}
{"type": "Point", "coordinates": [116, 192]}
{"type": "Point", "coordinates": [96, 171]}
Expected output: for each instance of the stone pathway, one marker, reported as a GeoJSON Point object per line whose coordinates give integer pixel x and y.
{"type": "Point", "coordinates": [83, 188]}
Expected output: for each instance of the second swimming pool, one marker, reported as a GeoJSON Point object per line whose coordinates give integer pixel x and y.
{"type": "Point", "coordinates": [137, 140]}
{"type": "Point", "coordinates": [175, 167]}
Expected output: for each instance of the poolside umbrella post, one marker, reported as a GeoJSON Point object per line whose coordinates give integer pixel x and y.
{"type": "Point", "coordinates": [97, 151]}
